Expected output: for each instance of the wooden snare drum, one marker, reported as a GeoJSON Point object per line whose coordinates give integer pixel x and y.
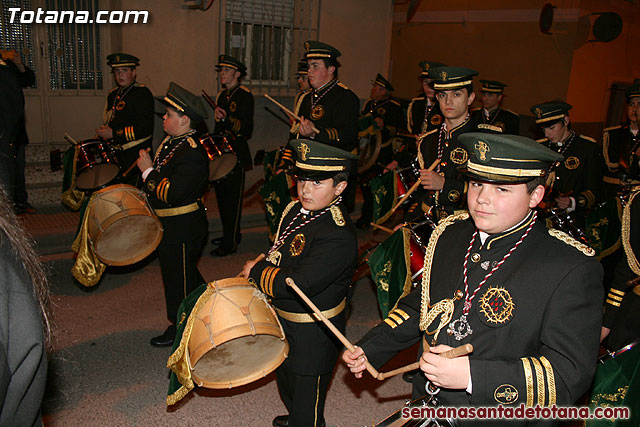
{"type": "Point", "coordinates": [236, 337]}
{"type": "Point", "coordinates": [122, 227]}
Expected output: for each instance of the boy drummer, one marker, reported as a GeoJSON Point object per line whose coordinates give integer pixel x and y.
{"type": "Point", "coordinates": [316, 246]}
{"type": "Point", "coordinates": [528, 299]}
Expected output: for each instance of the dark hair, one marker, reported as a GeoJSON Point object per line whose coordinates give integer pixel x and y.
{"type": "Point", "coordinates": [533, 184]}
{"type": "Point", "coordinates": [339, 177]}
{"type": "Point", "coordinates": [22, 248]}
{"type": "Point", "coordinates": [331, 62]}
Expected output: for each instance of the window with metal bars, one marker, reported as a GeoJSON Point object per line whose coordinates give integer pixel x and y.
{"type": "Point", "coordinates": [74, 50]}
{"type": "Point", "coordinates": [268, 35]}
{"type": "Point", "coordinates": [17, 36]}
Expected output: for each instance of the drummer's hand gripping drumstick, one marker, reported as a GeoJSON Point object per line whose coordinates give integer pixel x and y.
{"type": "Point", "coordinates": [330, 325]}
{"type": "Point", "coordinates": [456, 352]}
{"type": "Point", "coordinates": [414, 187]}
{"type": "Point", "coordinates": [289, 112]}
{"type": "Point", "coordinates": [133, 165]}
{"type": "Point", "coordinates": [463, 350]}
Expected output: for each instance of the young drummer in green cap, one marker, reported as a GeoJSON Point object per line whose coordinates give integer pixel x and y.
{"type": "Point", "coordinates": [576, 183]}
{"type": "Point", "coordinates": [423, 113]}
{"type": "Point", "coordinates": [175, 180]}
{"type": "Point", "coordinates": [234, 117]}
{"type": "Point", "coordinates": [128, 115]}
{"type": "Point", "coordinates": [527, 298]}
{"type": "Point", "coordinates": [316, 246]}
{"type": "Point", "coordinates": [491, 112]}
{"type": "Point", "coordinates": [387, 115]}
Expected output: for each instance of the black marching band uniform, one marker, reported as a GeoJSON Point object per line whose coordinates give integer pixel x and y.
{"type": "Point", "coordinates": [622, 302]}
{"type": "Point", "coordinates": [237, 102]}
{"type": "Point", "coordinates": [580, 174]}
{"type": "Point", "coordinates": [129, 113]}
{"type": "Point", "coordinates": [442, 143]}
{"type": "Point", "coordinates": [390, 111]}
{"type": "Point", "coordinates": [174, 188]}
{"type": "Point", "coordinates": [534, 330]}
{"type": "Point", "coordinates": [506, 120]}
{"type": "Point", "coordinates": [422, 117]}
{"type": "Point", "coordinates": [334, 110]}
{"type": "Point", "coordinates": [318, 250]}
{"type": "Point", "coordinates": [619, 146]}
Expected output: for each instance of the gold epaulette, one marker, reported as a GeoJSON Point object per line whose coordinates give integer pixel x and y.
{"type": "Point", "coordinates": [513, 112]}
{"type": "Point", "coordinates": [139, 84]}
{"type": "Point", "coordinates": [336, 213]}
{"type": "Point", "coordinates": [342, 85]}
{"type": "Point", "coordinates": [192, 142]}
{"type": "Point", "coordinates": [430, 132]}
{"type": "Point", "coordinates": [611, 128]}
{"type": "Point", "coordinates": [476, 109]}
{"type": "Point", "coordinates": [417, 98]}
{"type": "Point", "coordinates": [393, 101]}
{"type": "Point", "coordinates": [244, 88]}
{"type": "Point", "coordinates": [588, 138]}
{"type": "Point", "coordinates": [542, 140]}
{"type": "Point", "coordinates": [564, 237]}
{"type": "Point", "coordinates": [114, 88]}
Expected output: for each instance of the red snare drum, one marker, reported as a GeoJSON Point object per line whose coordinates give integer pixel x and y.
{"type": "Point", "coordinates": [96, 166]}
{"type": "Point", "coordinates": [221, 155]}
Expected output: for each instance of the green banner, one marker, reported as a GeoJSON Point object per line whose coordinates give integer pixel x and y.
{"type": "Point", "coordinates": [617, 384]}
{"type": "Point", "coordinates": [390, 269]}
{"type": "Point", "coordinates": [603, 227]}
{"type": "Point", "coordinates": [385, 194]}
{"type": "Point", "coordinates": [276, 196]}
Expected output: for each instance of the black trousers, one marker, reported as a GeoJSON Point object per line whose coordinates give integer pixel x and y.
{"type": "Point", "coordinates": [180, 275]}
{"type": "Point", "coordinates": [303, 395]}
{"type": "Point", "coordinates": [229, 196]}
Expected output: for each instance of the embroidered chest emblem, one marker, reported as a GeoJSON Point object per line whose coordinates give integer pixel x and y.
{"type": "Point", "coordinates": [297, 245]}
{"type": "Point", "coordinates": [233, 107]}
{"type": "Point", "coordinates": [317, 112]}
{"type": "Point", "coordinates": [482, 149]}
{"type": "Point", "coordinates": [497, 306]}
{"type": "Point", "coordinates": [120, 105]}
{"type": "Point", "coordinates": [436, 119]}
{"type": "Point", "coordinates": [459, 156]}
{"type": "Point", "coordinates": [381, 111]}
{"type": "Point", "coordinates": [572, 162]}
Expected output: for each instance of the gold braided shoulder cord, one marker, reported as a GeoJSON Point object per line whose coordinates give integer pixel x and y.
{"type": "Point", "coordinates": [445, 307]}
{"type": "Point", "coordinates": [284, 213]}
{"type": "Point", "coordinates": [632, 260]}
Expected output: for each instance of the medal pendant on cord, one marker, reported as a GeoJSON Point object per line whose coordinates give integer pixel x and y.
{"type": "Point", "coordinates": [275, 257]}
{"type": "Point", "coordinates": [460, 328]}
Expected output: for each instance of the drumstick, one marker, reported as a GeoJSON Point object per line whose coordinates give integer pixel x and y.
{"type": "Point", "coordinates": [71, 140]}
{"type": "Point", "coordinates": [256, 259]}
{"type": "Point", "coordinates": [451, 354]}
{"type": "Point", "coordinates": [211, 102]}
{"type": "Point", "coordinates": [414, 187]}
{"type": "Point", "coordinates": [380, 227]}
{"type": "Point", "coordinates": [329, 325]}
{"type": "Point", "coordinates": [134, 164]}
{"type": "Point", "coordinates": [289, 112]}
